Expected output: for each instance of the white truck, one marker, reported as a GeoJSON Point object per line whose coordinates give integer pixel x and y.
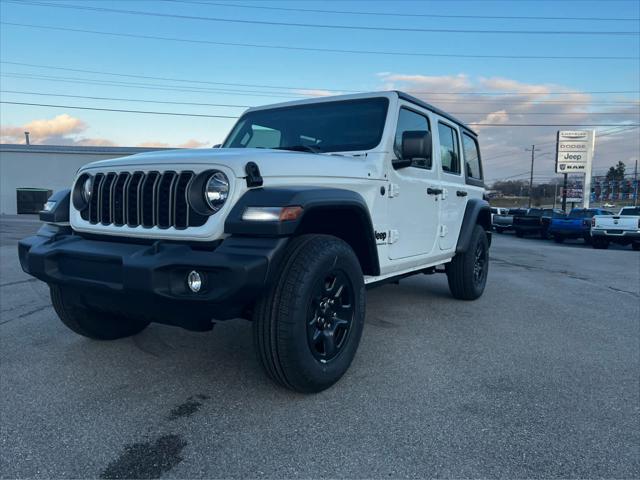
{"type": "Point", "coordinates": [305, 205]}
{"type": "Point", "coordinates": [623, 228]}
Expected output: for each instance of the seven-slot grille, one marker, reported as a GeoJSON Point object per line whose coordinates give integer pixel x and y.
{"type": "Point", "coordinates": [150, 199]}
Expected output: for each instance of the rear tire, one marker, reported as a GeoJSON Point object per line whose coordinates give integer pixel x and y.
{"type": "Point", "coordinates": [635, 246]}
{"type": "Point", "coordinates": [519, 233]}
{"type": "Point", "coordinates": [90, 323]}
{"type": "Point", "coordinates": [307, 326]}
{"type": "Point", "coordinates": [467, 272]}
{"type": "Point", "coordinates": [558, 238]}
{"type": "Point", "coordinates": [600, 243]}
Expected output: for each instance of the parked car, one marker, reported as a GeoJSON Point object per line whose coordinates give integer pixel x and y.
{"type": "Point", "coordinates": [535, 221]}
{"type": "Point", "coordinates": [304, 205]}
{"type": "Point", "coordinates": [575, 225]}
{"type": "Point", "coordinates": [498, 213]}
{"type": "Point", "coordinates": [623, 228]}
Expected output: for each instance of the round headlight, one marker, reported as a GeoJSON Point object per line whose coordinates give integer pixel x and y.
{"type": "Point", "coordinates": [87, 186]}
{"type": "Point", "coordinates": [216, 191]}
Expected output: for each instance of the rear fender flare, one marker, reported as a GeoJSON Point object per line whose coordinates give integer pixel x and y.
{"type": "Point", "coordinates": [477, 212]}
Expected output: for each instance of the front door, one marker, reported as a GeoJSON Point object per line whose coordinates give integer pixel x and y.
{"type": "Point", "coordinates": [413, 213]}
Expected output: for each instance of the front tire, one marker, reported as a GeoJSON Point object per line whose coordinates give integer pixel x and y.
{"type": "Point", "coordinates": [558, 238]}
{"type": "Point", "coordinates": [90, 323]}
{"type": "Point", "coordinates": [307, 326]}
{"type": "Point", "coordinates": [519, 233]}
{"type": "Point", "coordinates": [635, 246]}
{"type": "Point", "coordinates": [467, 272]}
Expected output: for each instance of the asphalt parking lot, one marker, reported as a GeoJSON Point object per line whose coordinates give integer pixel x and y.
{"type": "Point", "coordinates": [538, 378]}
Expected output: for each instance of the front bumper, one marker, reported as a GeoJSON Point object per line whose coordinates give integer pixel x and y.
{"type": "Point", "coordinates": [150, 280]}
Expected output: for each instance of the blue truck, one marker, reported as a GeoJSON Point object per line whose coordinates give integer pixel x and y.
{"type": "Point", "coordinates": [575, 225]}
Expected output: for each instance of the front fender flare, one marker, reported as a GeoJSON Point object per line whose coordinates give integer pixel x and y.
{"type": "Point", "coordinates": [312, 200]}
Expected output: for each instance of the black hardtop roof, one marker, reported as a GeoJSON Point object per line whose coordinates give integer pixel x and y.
{"type": "Point", "coordinates": [417, 101]}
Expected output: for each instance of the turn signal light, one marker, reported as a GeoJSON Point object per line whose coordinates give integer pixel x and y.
{"type": "Point", "coordinates": [272, 214]}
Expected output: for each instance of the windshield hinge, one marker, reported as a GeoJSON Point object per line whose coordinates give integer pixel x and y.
{"type": "Point", "coordinates": [254, 179]}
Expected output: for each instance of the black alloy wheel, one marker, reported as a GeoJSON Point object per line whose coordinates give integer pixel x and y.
{"type": "Point", "coordinates": [308, 324]}
{"type": "Point", "coordinates": [468, 271]}
{"type": "Point", "coordinates": [480, 264]}
{"type": "Point", "coordinates": [330, 316]}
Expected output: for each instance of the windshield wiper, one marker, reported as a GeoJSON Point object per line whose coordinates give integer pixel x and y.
{"type": "Point", "coordinates": [301, 148]}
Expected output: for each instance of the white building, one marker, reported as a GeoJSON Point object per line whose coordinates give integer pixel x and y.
{"type": "Point", "coordinates": [47, 166]}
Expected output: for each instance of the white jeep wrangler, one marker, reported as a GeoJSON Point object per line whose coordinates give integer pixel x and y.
{"type": "Point", "coordinates": [305, 205]}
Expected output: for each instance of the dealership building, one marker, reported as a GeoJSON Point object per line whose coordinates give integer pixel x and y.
{"type": "Point", "coordinates": [47, 167]}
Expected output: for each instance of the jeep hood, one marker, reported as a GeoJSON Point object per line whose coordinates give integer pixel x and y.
{"type": "Point", "coordinates": [272, 163]}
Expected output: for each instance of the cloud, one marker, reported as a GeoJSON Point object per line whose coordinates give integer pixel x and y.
{"type": "Point", "coordinates": [489, 101]}
{"type": "Point", "coordinates": [192, 143]}
{"type": "Point", "coordinates": [60, 130]}
{"type": "Point", "coordinates": [316, 93]}
{"type": "Point", "coordinates": [59, 126]}
{"type": "Point", "coordinates": [68, 130]}
{"type": "Point", "coordinates": [500, 117]}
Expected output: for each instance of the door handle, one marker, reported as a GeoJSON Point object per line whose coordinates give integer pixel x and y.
{"type": "Point", "coordinates": [434, 191]}
{"type": "Point", "coordinates": [461, 193]}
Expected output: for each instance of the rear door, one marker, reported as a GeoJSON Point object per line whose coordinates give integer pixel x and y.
{"type": "Point", "coordinates": [454, 192]}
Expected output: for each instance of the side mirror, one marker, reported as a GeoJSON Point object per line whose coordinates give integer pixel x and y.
{"type": "Point", "coordinates": [415, 144]}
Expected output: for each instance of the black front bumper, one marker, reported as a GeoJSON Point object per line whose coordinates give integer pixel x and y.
{"type": "Point", "coordinates": [150, 280]}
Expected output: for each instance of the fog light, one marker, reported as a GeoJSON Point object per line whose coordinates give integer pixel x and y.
{"type": "Point", "coordinates": [194, 281]}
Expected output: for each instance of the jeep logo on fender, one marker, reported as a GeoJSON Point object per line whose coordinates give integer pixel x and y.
{"type": "Point", "coordinates": [381, 237]}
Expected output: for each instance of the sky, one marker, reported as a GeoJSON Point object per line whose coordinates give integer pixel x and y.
{"type": "Point", "coordinates": [216, 58]}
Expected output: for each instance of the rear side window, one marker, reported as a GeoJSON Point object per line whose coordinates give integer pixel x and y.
{"type": "Point", "coordinates": [630, 211]}
{"type": "Point", "coordinates": [471, 157]}
{"type": "Point", "coordinates": [449, 149]}
{"type": "Point", "coordinates": [408, 121]}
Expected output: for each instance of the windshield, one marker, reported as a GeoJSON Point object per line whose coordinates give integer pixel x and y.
{"type": "Point", "coordinates": [341, 126]}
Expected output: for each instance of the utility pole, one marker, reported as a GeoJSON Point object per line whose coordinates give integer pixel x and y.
{"type": "Point", "coordinates": [533, 152]}
{"type": "Point", "coordinates": [555, 195]}
{"type": "Point", "coordinates": [564, 194]}
{"type": "Point", "coordinates": [635, 184]}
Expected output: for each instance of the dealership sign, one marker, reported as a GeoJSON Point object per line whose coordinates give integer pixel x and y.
{"type": "Point", "coordinates": [574, 151]}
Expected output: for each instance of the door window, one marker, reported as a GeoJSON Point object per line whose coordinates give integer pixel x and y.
{"type": "Point", "coordinates": [408, 120]}
{"type": "Point", "coordinates": [471, 157]}
{"type": "Point", "coordinates": [449, 149]}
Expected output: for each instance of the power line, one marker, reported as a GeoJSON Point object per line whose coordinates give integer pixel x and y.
{"type": "Point", "coordinates": [152, 86]}
{"type": "Point", "coordinates": [118, 110]}
{"type": "Point", "coordinates": [605, 133]}
{"type": "Point", "coordinates": [289, 87]}
{"type": "Point", "coordinates": [137, 100]}
{"type": "Point", "coordinates": [318, 49]}
{"type": "Point", "coordinates": [406, 15]}
{"type": "Point", "coordinates": [235, 117]}
{"type": "Point", "coordinates": [323, 26]}
{"type": "Point", "coordinates": [204, 104]}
